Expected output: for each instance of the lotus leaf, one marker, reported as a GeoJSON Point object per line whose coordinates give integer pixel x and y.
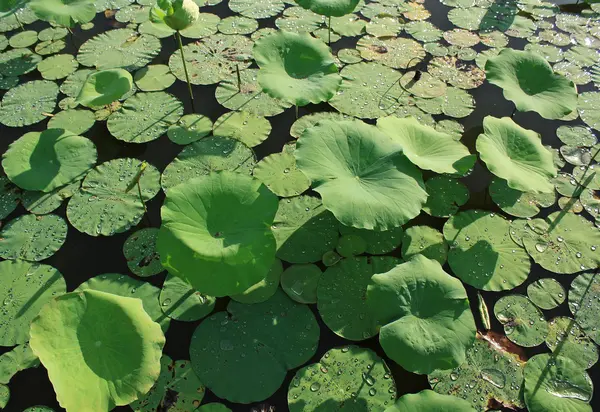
{"type": "Point", "coordinates": [57, 67]}
{"type": "Point", "coordinates": [516, 155]}
{"type": "Point", "coordinates": [296, 68]}
{"type": "Point", "coordinates": [350, 181]}
{"type": "Point", "coordinates": [23, 39]}
{"type": "Point", "coordinates": [529, 82]}
{"type": "Point", "coordinates": [426, 241]}
{"type": "Point", "coordinates": [9, 197]}
{"type": "Point", "coordinates": [205, 25]}
{"type": "Point", "coordinates": [517, 203]}
{"type": "Point", "coordinates": [394, 52]}
{"type": "Point", "coordinates": [300, 282]}
{"type": "Point", "coordinates": [349, 375]}
{"type": "Point", "coordinates": [67, 13]}
{"type": "Point", "coordinates": [21, 357]}
{"type": "Point", "coordinates": [524, 324]}
{"type": "Point", "coordinates": [27, 103]}
{"type": "Point", "coordinates": [583, 303]}
{"type": "Point", "coordinates": [104, 87]}
{"type": "Point", "coordinates": [587, 106]}
{"type": "Point", "coordinates": [32, 238]}
{"type": "Point", "coordinates": [154, 78]}
{"type": "Point", "coordinates": [177, 14]}
{"type": "Point", "coordinates": [566, 338]}
{"type": "Point", "coordinates": [140, 253]}
{"type": "Point", "coordinates": [336, 8]}
{"type": "Point", "coordinates": [16, 62]}
{"type": "Point", "coordinates": [237, 25]}
{"type": "Point", "coordinates": [429, 401]}
{"type": "Point", "coordinates": [41, 203]}
{"type": "Point", "coordinates": [546, 293]}
{"type": "Point", "coordinates": [446, 195]}
{"type": "Point", "coordinates": [310, 120]}
{"type": "Point", "coordinates": [48, 160]}
{"type": "Point", "coordinates": [455, 103]}
{"type": "Point", "coordinates": [180, 302]}
{"type": "Point", "coordinates": [351, 245]}
{"type": "Point", "coordinates": [216, 234]}
{"type": "Point", "coordinates": [279, 173]}
{"type": "Point", "coordinates": [243, 355]}
{"type": "Point", "coordinates": [260, 9]}
{"type": "Point", "coordinates": [75, 120]}
{"type": "Point", "coordinates": [246, 127]}
{"type": "Point", "coordinates": [341, 295]}
{"type": "Point", "coordinates": [101, 350]}
{"type": "Point", "coordinates": [426, 322]}
{"type": "Point", "coordinates": [263, 290]}
{"type": "Point", "coordinates": [426, 147]}
{"type": "Point", "coordinates": [556, 383]}
{"type": "Point", "coordinates": [377, 242]}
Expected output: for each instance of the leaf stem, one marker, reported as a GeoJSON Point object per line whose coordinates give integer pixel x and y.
{"type": "Point", "coordinates": [329, 41]}
{"type": "Point", "coordinates": [19, 21]}
{"type": "Point", "coordinates": [239, 78]}
{"type": "Point", "coordinates": [187, 77]}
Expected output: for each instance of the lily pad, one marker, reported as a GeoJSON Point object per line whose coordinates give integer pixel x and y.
{"type": "Point", "coordinates": [426, 241]}
{"type": "Point", "coordinates": [524, 324]}
{"type": "Point", "coordinates": [23, 39]}
{"type": "Point", "coordinates": [426, 86]}
{"type": "Point", "coordinates": [394, 52]}
{"type": "Point", "coordinates": [446, 195]}
{"type": "Point", "coordinates": [154, 78]}
{"type": "Point", "coordinates": [263, 290]}
{"type": "Point", "coordinates": [516, 155]}
{"type": "Point", "coordinates": [57, 67]}
{"type": "Point", "coordinates": [260, 9]}
{"type": "Point", "coordinates": [114, 354]}
{"type": "Point", "coordinates": [243, 355]}
{"type": "Point", "coordinates": [21, 357]}
{"type": "Point", "coordinates": [529, 82]}
{"type": "Point", "coordinates": [27, 103]}
{"type": "Point", "coordinates": [26, 287]}
{"type": "Point", "coordinates": [246, 127]}
{"type": "Point", "coordinates": [17, 62]}
{"type": "Point", "coordinates": [311, 120]}
{"type": "Point", "coordinates": [566, 338]}
{"type": "Point", "coordinates": [74, 120]}
{"type": "Point", "coordinates": [66, 13]}
{"type": "Point", "coordinates": [583, 303]}
{"type": "Point", "coordinates": [108, 202]}
{"type": "Point", "coordinates": [518, 203]}
{"type": "Point", "coordinates": [349, 375]}
{"type": "Point", "coordinates": [349, 182]}
{"type": "Point", "coordinates": [104, 87]}
{"type": "Point", "coordinates": [189, 128]}
{"type": "Point", "coordinates": [32, 238]}
{"type": "Point", "coordinates": [237, 25]}
{"type": "Point", "coordinates": [483, 237]}
{"type": "Point", "coordinates": [335, 8]}
{"type": "Point", "coordinates": [587, 106]}
{"type": "Point", "coordinates": [546, 293]}
{"type": "Point", "coordinates": [419, 296]}
{"type": "Point", "coordinates": [279, 173]}
{"type": "Point", "coordinates": [300, 282]}
{"type": "Point", "coordinates": [206, 25]}
{"type": "Point", "coordinates": [341, 296]}
{"type": "Point", "coordinates": [377, 242]}
{"type": "Point", "coordinates": [48, 160]}
{"type": "Point", "coordinates": [455, 103]}
{"type": "Point", "coordinates": [429, 401]}
{"type": "Point", "coordinates": [140, 253]}
{"type": "Point", "coordinates": [179, 301]}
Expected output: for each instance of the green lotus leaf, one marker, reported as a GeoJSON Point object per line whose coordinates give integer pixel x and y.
{"type": "Point", "coordinates": [21, 357]}
{"type": "Point", "coordinates": [351, 245]}
{"type": "Point", "coordinates": [296, 68]}
{"type": "Point", "coordinates": [583, 303]}
{"type": "Point", "coordinates": [518, 203]}
{"type": "Point", "coordinates": [28, 103]}
{"type": "Point", "coordinates": [48, 160]}
{"type": "Point", "coordinates": [246, 127]}
{"type": "Point", "coordinates": [24, 290]}
{"type": "Point", "coordinates": [213, 407]}
{"type": "Point", "coordinates": [426, 147]}
{"type": "Point", "coordinates": [341, 303]}
{"type": "Point", "coordinates": [9, 7]}
{"type": "Point", "coordinates": [121, 285]}
{"type": "Point", "coordinates": [310, 120]}
{"type": "Point", "coordinates": [263, 290]}
{"type": "Point", "coordinates": [426, 241]}
{"type": "Point", "coordinates": [556, 383]}
{"type": "Point", "coordinates": [530, 83]}
{"type": "Point", "coordinates": [331, 8]}
{"type": "Point", "coordinates": [300, 282]}
{"type": "Point", "coordinates": [104, 87]}
{"type": "Point", "coordinates": [9, 196]}
{"type": "Point", "coordinates": [17, 62]}
{"type": "Point", "coordinates": [177, 14]}
{"type": "Point", "coordinates": [516, 155]}
{"type": "Point", "coordinates": [41, 203]}
{"type": "Point", "coordinates": [190, 128]}
{"type": "Point", "coordinates": [216, 233]}
{"type": "Point", "coordinates": [4, 395]}
{"type": "Point", "coordinates": [57, 67]}
{"type": "Point", "coordinates": [140, 253]}
{"type": "Point", "coordinates": [180, 302]}
{"type": "Point", "coordinates": [490, 375]}
{"type": "Point", "coordinates": [77, 121]}
{"type": "Point", "coordinates": [524, 324]}
{"type": "Point", "coordinates": [446, 195]}
{"type": "Point", "coordinates": [237, 25]}
{"type": "Point", "coordinates": [243, 355]}
{"type": "Point", "coordinates": [546, 293]}
{"type": "Point", "coordinates": [279, 173]}
{"type": "Point", "coordinates": [32, 238]}
{"type": "Point", "coordinates": [566, 338]}
{"type": "Point", "coordinates": [154, 78]}
{"type": "Point", "coordinates": [482, 237]}
{"type": "Point", "coordinates": [257, 9]}
{"type": "Point", "coordinates": [425, 316]}
{"type": "Point", "coordinates": [588, 105]}
{"type": "Point", "coordinates": [377, 242]}
{"type": "Point", "coordinates": [429, 401]}
{"type": "Point", "coordinates": [363, 178]}
{"type": "Point", "coordinates": [101, 350]}
{"type": "Point", "coordinates": [394, 52]}
{"type": "Point", "coordinates": [67, 13]}
{"type": "Point", "coordinates": [349, 375]}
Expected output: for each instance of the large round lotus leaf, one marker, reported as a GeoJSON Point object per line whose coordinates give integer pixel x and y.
{"type": "Point", "coordinates": [216, 233]}
{"type": "Point", "coordinates": [140, 253]}
{"type": "Point", "coordinates": [42, 203]}
{"type": "Point", "coordinates": [244, 355]}
{"type": "Point", "coordinates": [426, 147]}
{"type": "Point", "coordinates": [28, 103]}
{"type": "Point", "coordinates": [425, 86]}
{"type": "Point", "coordinates": [363, 178]}
{"type": "Point", "coordinates": [556, 383]}
{"type": "Point", "coordinates": [108, 201]}
{"type": "Point", "coordinates": [546, 293]}
{"type": "Point", "coordinates": [145, 117]}
{"type": "Point", "coordinates": [177, 14]}
{"type": "Point", "coordinates": [75, 120]}
{"type": "Point", "coordinates": [50, 47]}
{"type": "Point", "coordinates": [48, 160]}
{"type": "Point", "coordinates": [587, 106]}
{"type": "Point", "coordinates": [246, 127]}
{"type": "Point", "coordinates": [524, 324]}
{"type": "Point", "coordinates": [300, 282]}
{"type": "Point", "coordinates": [346, 378]}
{"type": "Point", "coordinates": [377, 242]}
{"type": "Point", "coordinates": [33, 238]}
{"type": "Point", "coordinates": [529, 82]}
{"type": "Point", "coordinates": [564, 243]}
{"type": "Point", "coordinates": [341, 296]}
{"type": "Point", "coordinates": [516, 155]}
{"type": "Point", "coordinates": [120, 48]}
{"type": "Point", "coordinates": [180, 302]}
{"type": "Point", "coordinates": [518, 203]}
{"type": "Point", "coordinates": [190, 128]}
{"type": "Point", "coordinates": [249, 96]}
{"type": "Point", "coordinates": [490, 374]}
{"type": "Point", "coordinates": [101, 350]}
{"type": "Point", "coordinates": [18, 61]}
{"type": "Point", "coordinates": [446, 195]}
{"type": "Point", "coordinates": [177, 389]}
{"type": "Point", "coordinates": [430, 401]}
{"type": "Point", "coordinates": [482, 254]}
{"type": "Point", "coordinates": [9, 197]}
{"type": "Point", "coordinates": [425, 316]}
{"type": "Point", "coordinates": [583, 303]}
{"type": "Point", "coordinates": [335, 8]}
{"type": "Point", "coordinates": [296, 68]}
{"type": "Point", "coordinates": [154, 78]}
{"type": "Point", "coordinates": [566, 338]}
{"type": "Point", "coordinates": [21, 357]}
{"type": "Point", "coordinates": [310, 120]}
{"type": "Point", "coordinates": [463, 76]}
{"type": "Point", "coordinates": [426, 241]}
{"type": "Point", "coordinates": [210, 154]}
{"type": "Point", "coordinates": [206, 25]}
{"type": "Point", "coordinates": [24, 289]}
{"type": "Point", "coordinates": [213, 58]}
{"type": "Point", "coordinates": [66, 13]}
{"type": "Point", "coordinates": [394, 52]}
{"type": "Point", "coordinates": [237, 25]}
{"type": "Point", "coordinates": [57, 67]}
{"type": "Point", "coordinates": [299, 20]}
{"type": "Point", "coordinates": [257, 9]}
{"type": "Point", "coordinates": [121, 285]}
{"type": "Point", "coordinates": [263, 290]}
{"type": "Point", "coordinates": [304, 230]}
{"type": "Point", "coordinates": [279, 173]}
{"type": "Point", "coordinates": [104, 87]}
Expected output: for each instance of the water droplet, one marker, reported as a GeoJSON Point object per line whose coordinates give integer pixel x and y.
{"type": "Point", "coordinates": [315, 386]}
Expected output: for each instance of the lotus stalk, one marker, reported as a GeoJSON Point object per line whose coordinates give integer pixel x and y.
{"type": "Point", "coordinates": [185, 70]}
{"type": "Point", "coordinates": [329, 9]}
{"type": "Point", "coordinates": [239, 77]}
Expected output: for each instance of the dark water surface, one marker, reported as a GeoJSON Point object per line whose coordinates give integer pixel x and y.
{"type": "Point", "coordinates": [83, 256]}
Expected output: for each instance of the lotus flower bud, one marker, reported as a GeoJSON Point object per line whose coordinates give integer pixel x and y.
{"type": "Point", "coordinates": [177, 14]}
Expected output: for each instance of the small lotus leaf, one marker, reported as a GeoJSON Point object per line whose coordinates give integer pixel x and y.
{"type": "Point", "coordinates": [429, 401]}
{"type": "Point", "coordinates": [329, 8]}
{"type": "Point", "coordinates": [180, 302]}
{"type": "Point", "coordinates": [246, 127]}
{"type": "Point", "coordinates": [566, 338]}
{"type": "Point", "coordinates": [257, 9]}
{"type": "Point", "coordinates": [524, 324]}
{"type": "Point", "coordinates": [518, 203]}
{"type": "Point", "coordinates": [21, 357]}
{"type": "Point", "coordinates": [279, 173]}
{"type": "Point", "coordinates": [32, 238]}
{"type": "Point", "coordinates": [140, 253]}
{"type": "Point", "coordinates": [583, 303]}
{"type": "Point", "coordinates": [546, 293]}
{"type": "Point", "coordinates": [300, 282]}
{"type": "Point", "coordinates": [41, 203]}
{"type": "Point", "coordinates": [75, 120]}
{"type": "Point", "coordinates": [426, 241]}
{"type": "Point", "coordinates": [104, 87]}
{"type": "Point", "coordinates": [66, 13]}
{"type": "Point", "coordinates": [263, 290]}
{"type": "Point", "coordinates": [446, 195]}
{"type": "Point", "coordinates": [57, 67]}
{"type": "Point", "coordinates": [28, 103]}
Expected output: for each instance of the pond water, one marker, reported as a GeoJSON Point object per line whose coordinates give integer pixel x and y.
{"type": "Point", "coordinates": [83, 257]}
